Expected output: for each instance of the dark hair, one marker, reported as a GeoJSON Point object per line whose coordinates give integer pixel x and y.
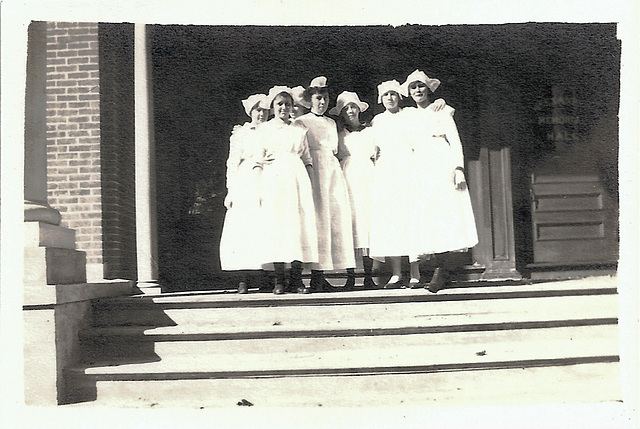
{"type": "Point", "coordinates": [312, 90]}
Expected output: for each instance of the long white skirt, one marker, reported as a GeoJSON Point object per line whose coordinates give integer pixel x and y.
{"type": "Point", "coordinates": [358, 173]}
{"type": "Point", "coordinates": [333, 213]}
{"type": "Point", "coordinates": [288, 214]}
{"type": "Point", "coordinates": [390, 233]}
{"type": "Point", "coordinates": [442, 217]}
{"type": "Point", "coordinates": [241, 242]}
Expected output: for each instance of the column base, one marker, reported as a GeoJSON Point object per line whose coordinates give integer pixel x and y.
{"type": "Point", "coordinates": [148, 287]}
{"type": "Point", "coordinates": [508, 273]}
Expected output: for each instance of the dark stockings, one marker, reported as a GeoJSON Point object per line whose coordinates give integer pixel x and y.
{"type": "Point", "coordinates": [367, 264]}
{"type": "Point", "coordinates": [278, 271]}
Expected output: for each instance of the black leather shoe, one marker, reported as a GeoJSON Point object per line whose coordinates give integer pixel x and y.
{"type": "Point", "coordinates": [242, 288]}
{"type": "Point", "coordinates": [438, 281]}
{"type": "Point", "coordinates": [279, 289]}
{"type": "Point", "coordinates": [295, 277]}
{"type": "Point", "coordinates": [416, 285]}
{"type": "Point", "coordinates": [294, 286]}
{"type": "Point", "coordinates": [369, 284]}
{"type": "Point", "coordinates": [394, 285]}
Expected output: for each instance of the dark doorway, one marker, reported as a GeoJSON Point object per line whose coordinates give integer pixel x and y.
{"type": "Point", "coordinates": [495, 76]}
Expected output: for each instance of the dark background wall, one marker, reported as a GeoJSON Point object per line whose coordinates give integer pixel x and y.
{"type": "Point", "coordinates": [498, 77]}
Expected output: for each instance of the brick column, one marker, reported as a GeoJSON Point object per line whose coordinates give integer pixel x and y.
{"type": "Point", "coordinates": [73, 135]}
{"type": "Point", "coordinates": [50, 255]}
{"type": "Point", "coordinates": [117, 147]}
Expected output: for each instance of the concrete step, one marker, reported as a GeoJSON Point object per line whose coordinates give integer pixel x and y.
{"type": "Point", "coordinates": [592, 284]}
{"type": "Point", "coordinates": [164, 310]}
{"type": "Point", "coordinates": [40, 234]}
{"type": "Point", "coordinates": [389, 347]}
{"type": "Point", "coordinates": [232, 358]}
{"type": "Point", "coordinates": [187, 325]}
{"type": "Point", "coordinates": [517, 386]}
{"type": "Point", "coordinates": [53, 265]}
{"type": "Point", "coordinates": [203, 320]}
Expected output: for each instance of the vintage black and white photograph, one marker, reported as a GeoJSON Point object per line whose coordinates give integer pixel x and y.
{"type": "Point", "coordinates": [341, 212]}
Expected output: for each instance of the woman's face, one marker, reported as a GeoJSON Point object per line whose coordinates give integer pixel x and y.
{"type": "Point", "coordinates": [282, 105]}
{"type": "Point", "coordinates": [319, 103]}
{"type": "Point", "coordinates": [259, 115]}
{"type": "Point", "coordinates": [390, 100]}
{"type": "Point", "coordinates": [351, 113]}
{"type": "Point", "coordinates": [297, 110]}
{"type": "Point", "coordinates": [419, 92]}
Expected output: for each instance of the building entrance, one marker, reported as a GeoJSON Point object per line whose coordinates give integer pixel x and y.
{"type": "Point", "coordinates": [497, 77]}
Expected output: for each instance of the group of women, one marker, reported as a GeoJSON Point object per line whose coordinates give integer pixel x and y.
{"type": "Point", "coordinates": [305, 190]}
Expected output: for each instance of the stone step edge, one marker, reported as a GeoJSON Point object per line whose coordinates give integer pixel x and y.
{"type": "Point", "coordinates": [79, 371]}
{"type": "Point", "coordinates": [39, 297]}
{"type": "Point", "coordinates": [607, 282]}
{"type": "Point", "coordinates": [137, 334]}
{"type": "Point", "coordinates": [326, 299]}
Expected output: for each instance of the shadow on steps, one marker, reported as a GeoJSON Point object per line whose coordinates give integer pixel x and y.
{"type": "Point", "coordinates": [95, 348]}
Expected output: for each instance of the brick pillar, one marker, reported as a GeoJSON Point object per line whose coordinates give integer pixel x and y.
{"type": "Point", "coordinates": [117, 145]}
{"type": "Point", "coordinates": [73, 135]}
{"type": "Point", "coordinates": [50, 255]}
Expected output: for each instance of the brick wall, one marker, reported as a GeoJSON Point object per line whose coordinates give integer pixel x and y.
{"type": "Point", "coordinates": [73, 134]}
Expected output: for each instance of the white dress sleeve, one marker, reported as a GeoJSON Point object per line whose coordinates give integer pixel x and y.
{"type": "Point", "coordinates": [343, 150]}
{"type": "Point", "coordinates": [332, 133]}
{"type": "Point", "coordinates": [235, 154]}
{"type": "Point", "coordinates": [450, 131]}
{"type": "Point", "coordinates": [372, 135]}
{"type": "Point", "coordinates": [305, 155]}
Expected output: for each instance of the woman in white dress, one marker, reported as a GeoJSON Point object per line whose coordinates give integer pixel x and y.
{"type": "Point", "coordinates": [357, 153]}
{"type": "Point", "coordinates": [390, 204]}
{"type": "Point", "coordinates": [330, 194]}
{"type": "Point", "coordinates": [391, 235]}
{"type": "Point", "coordinates": [238, 243]}
{"type": "Point", "coordinates": [443, 219]}
{"type": "Point", "coordinates": [288, 214]}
